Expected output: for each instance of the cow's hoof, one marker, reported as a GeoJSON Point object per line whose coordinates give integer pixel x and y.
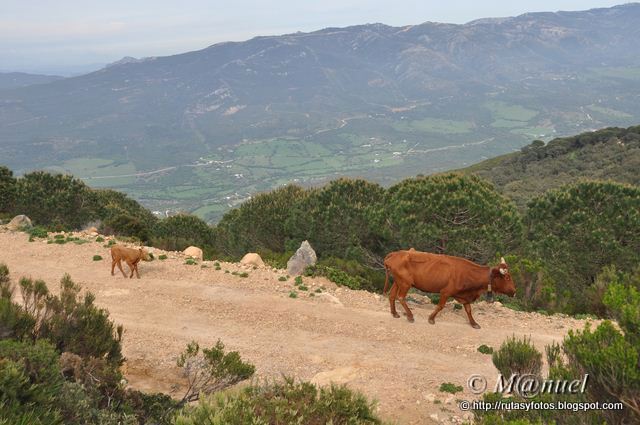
{"type": "Point", "coordinates": [433, 322]}
{"type": "Point", "coordinates": [475, 326]}
{"type": "Point", "coordinates": [396, 315]}
{"type": "Point", "coordinates": [411, 319]}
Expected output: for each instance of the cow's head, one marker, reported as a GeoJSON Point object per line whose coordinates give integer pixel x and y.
{"type": "Point", "coordinates": [501, 281]}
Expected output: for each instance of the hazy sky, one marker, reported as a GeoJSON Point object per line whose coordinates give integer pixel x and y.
{"type": "Point", "coordinates": [69, 35]}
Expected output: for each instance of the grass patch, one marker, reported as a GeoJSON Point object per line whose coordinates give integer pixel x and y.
{"type": "Point", "coordinates": [99, 239]}
{"type": "Point", "coordinates": [293, 294]}
{"type": "Point", "coordinates": [190, 262]}
{"type": "Point", "coordinates": [243, 274]}
{"type": "Point", "coordinates": [303, 288]}
{"type": "Point", "coordinates": [282, 279]}
{"type": "Point", "coordinates": [162, 257]}
{"type": "Point", "coordinates": [97, 257]}
{"type": "Point", "coordinates": [448, 387]}
{"type": "Point", "coordinates": [298, 280]}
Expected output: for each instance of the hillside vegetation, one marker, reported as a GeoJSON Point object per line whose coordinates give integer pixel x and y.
{"type": "Point", "coordinates": [607, 154]}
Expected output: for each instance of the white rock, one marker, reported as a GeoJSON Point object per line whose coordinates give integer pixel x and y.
{"type": "Point", "coordinates": [193, 252]}
{"type": "Point", "coordinates": [19, 222]}
{"type": "Point", "coordinates": [252, 259]}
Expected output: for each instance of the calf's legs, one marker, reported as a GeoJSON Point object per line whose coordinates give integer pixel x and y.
{"type": "Point", "coordinates": [119, 263]}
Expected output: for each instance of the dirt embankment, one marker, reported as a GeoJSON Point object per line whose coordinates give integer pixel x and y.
{"type": "Point", "coordinates": [344, 336]}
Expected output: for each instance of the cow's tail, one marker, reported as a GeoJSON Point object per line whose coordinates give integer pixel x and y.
{"type": "Point", "coordinates": [386, 280]}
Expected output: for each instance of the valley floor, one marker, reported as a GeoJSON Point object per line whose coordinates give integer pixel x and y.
{"type": "Point", "coordinates": [355, 341]}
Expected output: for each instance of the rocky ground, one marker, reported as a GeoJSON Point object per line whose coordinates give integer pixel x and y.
{"type": "Point", "coordinates": [332, 335]}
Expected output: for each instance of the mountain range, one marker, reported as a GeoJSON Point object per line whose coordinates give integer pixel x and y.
{"type": "Point", "coordinates": [203, 130]}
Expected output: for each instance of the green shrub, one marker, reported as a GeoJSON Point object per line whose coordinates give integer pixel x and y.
{"type": "Point", "coordinates": [30, 383]}
{"type": "Point", "coordinates": [244, 274]}
{"type": "Point", "coordinates": [190, 262]}
{"type": "Point", "coordinates": [277, 260]}
{"type": "Point", "coordinates": [99, 239]}
{"type": "Point", "coordinates": [485, 349]}
{"type": "Point", "coordinates": [59, 236]}
{"type": "Point", "coordinates": [297, 280]}
{"type": "Point", "coordinates": [97, 258]}
{"type": "Point", "coordinates": [282, 279]}
{"type": "Point", "coordinates": [211, 369]}
{"type": "Point", "coordinates": [38, 232]}
{"type": "Point", "coordinates": [302, 288]}
{"type": "Point", "coordinates": [180, 231]}
{"type": "Point", "coordinates": [162, 257]}
{"type": "Point", "coordinates": [293, 294]}
{"type": "Point", "coordinates": [517, 356]}
{"type": "Point", "coordinates": [286, 402]}
{"type": "Point", "coordinates": [448, 387]}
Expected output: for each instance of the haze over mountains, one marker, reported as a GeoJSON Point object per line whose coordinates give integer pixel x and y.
{"type": "Point", "coordinates": [202, 130]}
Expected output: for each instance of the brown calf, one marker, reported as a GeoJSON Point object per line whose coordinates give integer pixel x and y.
{"type": "Point", "coordinates": [450, 276]}
{"type": "Point", "coordinates": [130, 255]}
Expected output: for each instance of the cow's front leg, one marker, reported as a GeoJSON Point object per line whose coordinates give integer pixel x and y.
{"type": "Point", "coordinates": [132, 268]}
{"type": "Point", "coordinates": [439, 307]}
{"type": "Point", "coordinates": [135, 266]}
{"type": "Point", "coordinates": [392, 300]}
{"type": "Point", "coordinates": [467, 308]}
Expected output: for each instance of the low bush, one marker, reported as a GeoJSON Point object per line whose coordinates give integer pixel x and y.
{"type": "Point", "coordinates": [211, 369]}
{"type": "Point", "coordinates": [38, 232]}
{"type": "Point", "coordinates": [293, 294]}
{"type": "Point", "coordinates": [485, 349]}
{"type": "Point", "coordinates": [286, 402]}
{"type": "Point", "coordinates": [97, 258]}
{"type": "Point", "coordinates": [162, 257]}
{"type": "Point", "coordinates": [517, 356]}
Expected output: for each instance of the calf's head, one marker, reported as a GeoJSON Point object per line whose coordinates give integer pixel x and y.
{"type": "Point", "coordinates": [144, 255]}
{"type": "Point", "coordinates": [501, 279]}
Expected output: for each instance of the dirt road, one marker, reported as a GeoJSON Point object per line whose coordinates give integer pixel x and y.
{"type": "Point", "coordinates": [345, 336]}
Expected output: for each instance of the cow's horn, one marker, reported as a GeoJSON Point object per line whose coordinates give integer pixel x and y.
{"type": "Point", "coordinates": [502, 260]}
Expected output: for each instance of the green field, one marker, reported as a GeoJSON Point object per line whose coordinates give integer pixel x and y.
{"type": "Point", "coordinates": [97, 171]}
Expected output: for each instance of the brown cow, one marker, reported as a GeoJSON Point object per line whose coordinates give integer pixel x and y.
{"type": "Point", "coordinates": [450, 276]}
{"type": "Point", "coordinates": [131, 256]}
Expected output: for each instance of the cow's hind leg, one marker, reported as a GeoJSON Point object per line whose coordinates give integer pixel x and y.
{"type": "Point", "coordinates": [467, 308]}
{"type": "Point", "coordinates": [439, 307]}
{"type": "Point", "coordinates": [402, 294]}
{"type": "Point", "coordinates": [119, 263]}
{"type": "Point", "coordinates": [392, 300]}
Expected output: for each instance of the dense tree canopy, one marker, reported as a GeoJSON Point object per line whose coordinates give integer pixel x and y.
{"type": "Point", "coordinates": [579, 229]}
{"type": "Point", "coordinates": [449, 214]}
